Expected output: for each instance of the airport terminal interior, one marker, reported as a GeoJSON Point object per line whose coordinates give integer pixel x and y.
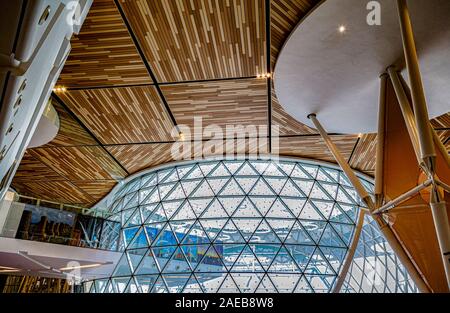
{"type": "Point", "coordinates": [225, 146]}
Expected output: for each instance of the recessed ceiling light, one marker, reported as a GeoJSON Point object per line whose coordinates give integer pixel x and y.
{"type": "Point", "coordinates": [342, 29]}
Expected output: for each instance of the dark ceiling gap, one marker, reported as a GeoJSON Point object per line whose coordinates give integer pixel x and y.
{"type": "Point", "coordinates": [73, 115]}
{"type": "Point", "coordinates": [144, 60]}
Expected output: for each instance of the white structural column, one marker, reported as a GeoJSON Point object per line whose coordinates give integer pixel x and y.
{"type": "Point", "coordinates": [362, 192]}
{"type": "Point", "coordinates": [425, 134]}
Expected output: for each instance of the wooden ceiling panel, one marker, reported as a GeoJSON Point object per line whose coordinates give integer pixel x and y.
{"type": "Point", "coordinates": [234, 102]}
{"type": "Point", "coordinates": [96, 189]}
{"type": "Point", "coordinates": [313, 147]}
{"type": "Point", "coordinates": [138, 157]}
{"type": "Point", "coordinates": [103, 54]}
{"type": "Point", "coordinates": [286, 123]}
{"type": "Point", "coordinates": [121, 115]}
{"type": "Point", "coordinates": [200, 39]}
{"type": "Point", "coordinates": [364, 155]}
{"type": "Point", "coordinates": [284, 17]}
{"type": "Point", "coordinates": [59, 191]}
{"type": "Point", "coordinates": [31, 168]}
{"type": "Point", "coordinates": [80, 163]}
{"type": "Point", "coordinates": [70, 132]}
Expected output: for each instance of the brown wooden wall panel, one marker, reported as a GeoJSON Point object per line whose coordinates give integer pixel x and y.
{"type": "Point", "coordinates": [200, 39]}
{"type": "Point", "coordinates": [138, 157]}
{"type": "Point", "coordinates": [70, 131]}
{"type": "Point", "coordinates": [121, 115]}
{"type": "Point", "coordinates": [31, 169]}
{"type": "Point", "coordinates": [364, 155]}
{"type": "Point", "coordinates": [442, 121]}
{"type": "Point", "coordinates": [79, 163]}
{"type": "Point", "coordinates": [234, 102]}
{"type": "Point", "coordinates": [286, 123]}
{"type": "Point", "coordinates": [59, 191]}
{"type": "Point", "coordinates": [103, 54]}
{"type": "Point", "coordinates": [284, 17]}
{"type": "Point", "coordinates": [314, 147]}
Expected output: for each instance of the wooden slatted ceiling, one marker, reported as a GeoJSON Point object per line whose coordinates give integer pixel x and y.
{"type": "Point", "coordinates": [284, 16]}
{"type": "Point", "coordinates": [235, 102]}
{"type": "Point", "coordinates": [364, 155]}
{"type": "Point", "coordinates": [200, 39]}
{"type": "Point", "coordinates": [121, 115]}
{"type": "Point", "coordinates": [32, 167]}
{"type": "Point", "coordinates": [103, 54]}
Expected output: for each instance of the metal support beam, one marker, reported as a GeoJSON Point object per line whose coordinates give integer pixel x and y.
{"type": "Point", "coordinates": [362, 192]}
{"type": "Point", "coordinates": [440, 218]}
{"type": "Point", "coordinates": [427, 151]}
{"type": "Point", "coordinates": [380, 141]}
{"type": "Point", "coordinates": [350, 253]}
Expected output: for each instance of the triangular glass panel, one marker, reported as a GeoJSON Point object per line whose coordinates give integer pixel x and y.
{"type": "Point", "coordinates": [351, 211]}
{"type": "Point", "coordinates": [273, 170]}
{"type": "Point", "coordinates": [144, 193]}
{"type": "Point", "coordinates": [246, 170]}
{"type": "Point", "coordinates": [298, 172]}
{"type": "Point", "coordinates": [278, 210]}
{"type": "Point", "coordinates": [145, 282]}
{"type": "Point", "coordinates": [164, 189]}
{"type": "Point", "coordinates": [284, 263]}
{"type": "Point", "coordinates": [264, 234]}
{"type": "Point", "coordinates": [189, 186]}
{"type": "Point", "coordinates": [172, 177]}
{"type": "Point", "coordinates": [181, 228]}
{"type": "Point", "coordinates": [203, 190]}
{"type": "Point", "coordinates": [134, 219]}
{"type": "Point", "coordinates": [321, 284]}
{"type": "Point", "coordinates": [246, 209]}
{"type": "Point", "coordinates": [324, 207]}
{"type": "Point", "coordinates": [330, 238]}
{"type": "Point", "coordinates": [263, 204]}
{"type": "Point", "coordinates": [310, 169]}
{"type": "Point", "coordinates": [233, 166]}
{"type": "Point", "coordinates": [228, 285]}
{"type": "Point", "coordinates": [303, 286]}
{"type": "Point", "coordinates": [314, 228]}
{"type": "Point", "coordinates": [232, 189]}
{"type": "Point", "coordinates": [148, 265]}
{"type": "Point", "coordinates": [215, 210]}
{"type": "Point", "coordinates": [153, 230]}
{"type": "Point", "coordinates": [286, 167]}
{"type": "Point", "coordinates": [177, 263]}
{"type": "Point", "coordinates": [159, 286]}
{"type": "Point", "coordinates": [337, 215]}
{"type": "Point", "coordinates": [128, 234]}
{"type": "Point", "coordinates": [265, 253]}
{"type": "Point", "coordinates": [122, 267]}
{"type": "Point", "coordinates": [184, 213]}
{"type": "Point", "coordinates": [352, 194]}
{"type": "Point", "coordinates": [199, 205]}
{"type": "Point", "coordinates": [146, 211]}
{"type": "Point", "coordinates": [318, 193]}
{"type": "Point", "coordinates": [209, 260]}
{"type": "Point", "coordinates": [220, 171]}
{"type": "Point", "coordinates": [247, 282]}
{"type": "Point", "coordinates": [176, 193]}
{"type": "Point", "coordinates": [162, 255]}
{"type": "Point", "coordinates": [334, 174]}
{"type": "Point", "coordinates": [261, 189]}
{"type": "Point", "coordinates": [183, 170]}
{"type": "Point", "coordinates": [304, 185]}
{"type": "Point", "coordinates": [342, 197]}
{"type": "Point", "coordinates": [335, 256]}
{"type": "Point", "coordinates": [247, 262]}
{"type": "Point", "coordinates": [135, 257]}
{"type": "Point", "coordinates": [260, 166]}
{"type": "Point", "coordinates": [300, 254]}
{"type": "Point", "coordinates": [318, 265]}
{"type": "Point", "coordinates": [120, 283]}
{"type": "Point", "coordinates": [207, 167]}
{"type": "Point", "coordinates": [295, 205]}
{"type": "Point", "coordinates": [229, 253]}
{"type": "Point", "coordinates": [285, 283]}
{"type": "Point", "coordinates": [266, 286]}
{"type": "Point", "coordinates": [276, 184]}
{"type": "Point", "coordinates": [309, 212]}
{"type": "Point", "coordinates": [192, 286]}
{"type": "Point", "coordinates": [246, 183]}
{"type": "Point", "coordinates": [109, 288]}
{"type": "Point", "coordinates": [290, 190]}
{"type": "Point", "coordinates": [170, 207]}
{"type": "Point", "coordinates": [117, 206]}
{"type": "Point", "coordinates": [158, 215]}
{"type": "Point", "coordinates": [217, 184]}
{"type": "Point", "coordinates": [229, 234]}
{"type": "Point", "coordinates": [196, 235]}
{"type": "Point", "coordinates": [165, 237]}
{"type": "Point", "coordinates": [210, 282]}
{"type": "Point", "coordinates": [322, 175]}
{"type": "Point", "coordinates": [100, 285]}
{"type": "Point", "coordinates": [230, 204]}
{"type": "Point", "coordinates": [345, 231]}
{"type": "Point", "coordinates": [331, 189]}
{"type": "Point", "coordinates": [139, 240]}
{"type": "Point", "coordinates": [149, 180]}
{"type": "Point", "coordinates": [126, 214]}
{"type": "Point", "coordinates": [247, 226]}
{"type": "Point", "coordinates": [176, 282]}
{"type": "Point", "coordinates": [162, 174]}
{"type": "Point", "coordinates": [298, 235]}
{"type": "Point", "coordinates": [131, 200]}
{"type": "Point", "coordinates": [213, 227]}
{"type": "Point", "coordinates": [153, 197]}
{"type": "Point", "coordinates": [281, 227]}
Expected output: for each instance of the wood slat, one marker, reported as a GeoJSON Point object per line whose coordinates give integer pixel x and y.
{"type": "Point", "coordinates": [31, 169]}
{"type": "Point", "coordinates": [96, 189]}
{"type": "Point", "coordinates": [200, 39]}
{"type": "Point", "coordinates": [103, 54]}
{"type": "Point", "coordinates": [364, 155]}
{"type": "Point", "coordinates": [284, 16]}
{"type": "Point", "coordinates": [234, 102]}
{"type": "Point", "coordinates": [59, 191]}
{"type": "Point", "coordinates": [121, 115]}
{"type": "Point", "coordinates": [314, 147]}
{"type": "Point", "coordinates": [79, 163]}
{"type": "Point", "coordinates": [70, 133]}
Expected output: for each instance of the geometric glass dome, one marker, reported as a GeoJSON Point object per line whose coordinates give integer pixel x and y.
{"type": "Point", "coordinates": [245, 226]}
